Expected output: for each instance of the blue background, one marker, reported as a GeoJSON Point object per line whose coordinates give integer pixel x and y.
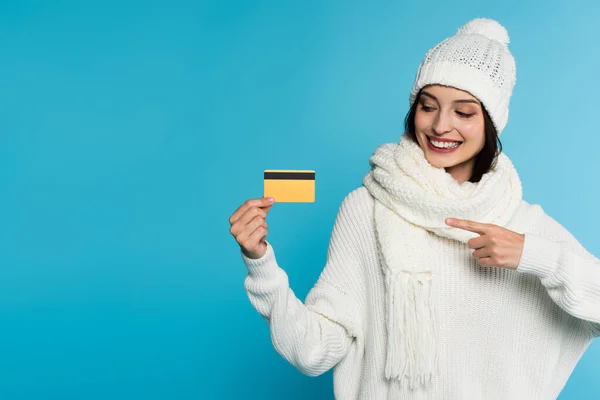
{"type": "Point", "coordinates": [131, 130]}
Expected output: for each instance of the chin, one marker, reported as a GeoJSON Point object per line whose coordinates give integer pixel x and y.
{"type": "Point", "coordinates": [438, 164]}
{"type": "Point", "coordinates": [445, 160]}
{"type": "Point", "coordinates": [434, 161]}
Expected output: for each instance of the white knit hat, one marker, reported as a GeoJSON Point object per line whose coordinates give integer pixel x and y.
{"type": "Point", "coordinates": [476, 60]}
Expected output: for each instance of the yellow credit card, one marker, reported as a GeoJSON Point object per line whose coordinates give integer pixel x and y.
{"type": "Point", "coordinates": [289, 185]}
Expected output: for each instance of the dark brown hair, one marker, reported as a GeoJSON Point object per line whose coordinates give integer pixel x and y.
{"type": "Point", "coordinates": [486, 158]}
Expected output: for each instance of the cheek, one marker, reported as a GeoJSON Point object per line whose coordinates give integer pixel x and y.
{"type": "Point", "coordinates": [422, 121]}
{"type": "Point", "coordinates": [422, 125]}
{"type": "Point", "coordinates": [474, 132]}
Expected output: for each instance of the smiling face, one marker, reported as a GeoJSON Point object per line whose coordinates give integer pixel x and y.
{"type": "Point", "coordinates": [450, 128]}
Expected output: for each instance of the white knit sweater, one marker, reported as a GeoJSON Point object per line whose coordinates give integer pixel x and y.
{"type": "Point", "coordinates": [504, 334]}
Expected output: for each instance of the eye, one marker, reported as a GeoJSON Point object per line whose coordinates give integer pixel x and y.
{"type": "Point", "coordinates": [427, 108]}
{"type": "Point", "coordinates": [464, 115]}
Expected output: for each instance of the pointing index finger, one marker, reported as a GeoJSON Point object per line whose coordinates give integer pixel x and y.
{"type": "Point", "coordinates": [467, 225]}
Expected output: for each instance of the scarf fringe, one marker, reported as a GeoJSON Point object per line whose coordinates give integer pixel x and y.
{"type": "Point", "coordinates": [414, 360]}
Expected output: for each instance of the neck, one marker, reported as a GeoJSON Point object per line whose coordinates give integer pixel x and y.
{"type": "Point", "coordinates": [462, 172]}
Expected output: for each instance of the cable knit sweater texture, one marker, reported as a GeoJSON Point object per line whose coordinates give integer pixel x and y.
{"type": "Point", "coordinates": [504, 334]}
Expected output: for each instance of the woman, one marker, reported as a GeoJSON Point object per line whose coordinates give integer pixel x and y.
{"type": "Point", "coordinates": [441, 282]}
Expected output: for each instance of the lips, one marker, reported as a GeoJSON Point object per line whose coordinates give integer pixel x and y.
{"type": "Point", "coordinates": [442, 150]}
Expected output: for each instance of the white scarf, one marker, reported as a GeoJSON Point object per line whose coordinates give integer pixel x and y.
{"type": "Point", "coordinates": [413, 199]}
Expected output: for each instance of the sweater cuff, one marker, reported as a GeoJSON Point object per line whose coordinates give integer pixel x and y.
{"type": "Point", "coordinates": [265, 267]}
{"type": "Point", "coordinates": [540, 256]}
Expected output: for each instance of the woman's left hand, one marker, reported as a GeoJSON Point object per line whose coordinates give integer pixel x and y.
{"type": "Point", "coordinates": [496, 246]}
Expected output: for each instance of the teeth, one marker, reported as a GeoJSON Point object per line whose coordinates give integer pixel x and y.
{"type": "Point", "coordinates": [444, 145]}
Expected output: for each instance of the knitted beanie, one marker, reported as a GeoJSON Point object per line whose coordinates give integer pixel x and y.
{"type": "Point", "coordinates": [476, 60]}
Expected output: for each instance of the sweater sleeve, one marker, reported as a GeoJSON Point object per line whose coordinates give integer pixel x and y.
{"type": "Point", "coordinates": [316, 335]}
{"type": "Point", "coordinates": [570, 274]}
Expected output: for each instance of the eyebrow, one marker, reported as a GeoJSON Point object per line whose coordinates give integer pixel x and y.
{"type": "Point", "coordinates": [455, 101]}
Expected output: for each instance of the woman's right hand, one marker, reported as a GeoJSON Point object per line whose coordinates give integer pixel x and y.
{"type": "Point", "coordinates": [249, 226]}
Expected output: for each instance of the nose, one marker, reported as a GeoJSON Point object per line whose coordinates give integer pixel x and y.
{"type": "Point", "coordinates": [441, 124]}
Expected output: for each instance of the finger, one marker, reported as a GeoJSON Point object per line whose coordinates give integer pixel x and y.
{"type": "Point", "coordinates": [261, 202]}
{"type": "Point", "coordinates": [258, 235]}
{"type": "Point", "coordinates": [467, 225]}
{"type": "Point", "coordinates": [251, 220]}
{"type": "Point", "coordinates": [477, 242]}
{"type": "Point", "coordinates": [482, 253]}
{"type": "Point", "coordinates": [241, 225]}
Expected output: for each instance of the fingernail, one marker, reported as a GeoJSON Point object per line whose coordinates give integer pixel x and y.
{"type": "Point", "coordinates": [270, 199]}
{"type": "Point", "coordinates": [449, 221]}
